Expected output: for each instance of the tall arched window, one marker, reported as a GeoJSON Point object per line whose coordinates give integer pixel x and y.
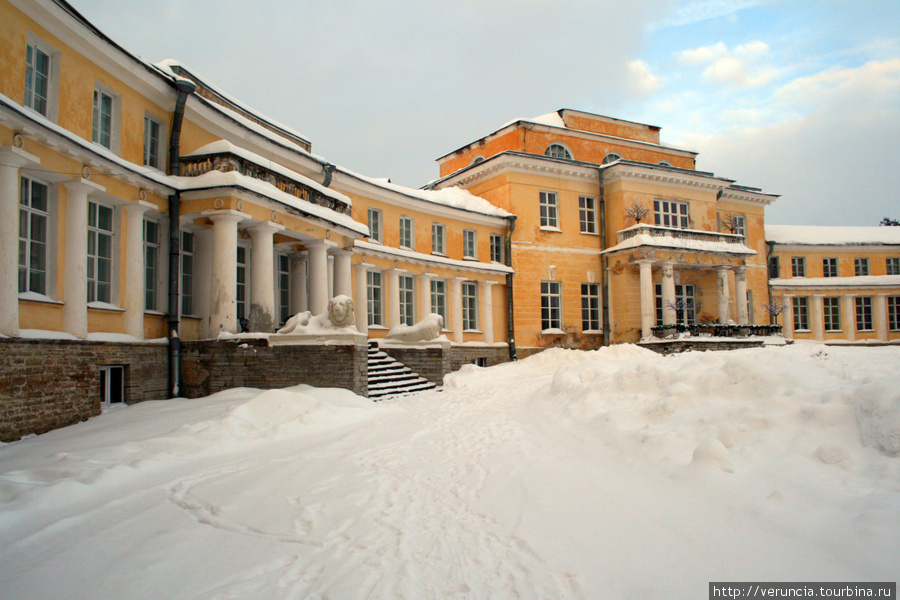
{"type": "Point", "coordinates": [558, 151]}
{"type": "Point", "coordinates": [611, 157]}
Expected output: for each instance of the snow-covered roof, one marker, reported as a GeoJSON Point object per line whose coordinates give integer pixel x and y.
{"type": "Point", "coordinates": [375, 248]}
{"type": "Point", "coordinates": [552, 119]}
{"type": "Point", "coordinates": [832, 236]}
{"type": "Point", "coordinates": [682, 240]}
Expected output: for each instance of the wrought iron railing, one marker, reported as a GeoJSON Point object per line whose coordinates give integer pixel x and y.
{"type": "Point", "coordinates": [194, 166]}
{"type": "Point", "coordinates": [715, 330]}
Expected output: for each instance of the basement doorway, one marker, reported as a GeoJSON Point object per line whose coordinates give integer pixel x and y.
{"type": "Point", "coordinates": [112, 384]}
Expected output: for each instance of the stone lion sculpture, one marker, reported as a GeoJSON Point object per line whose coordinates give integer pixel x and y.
{"type": "Point", "coordinates": [425, 330]}
{"type": "Point", "coordinates": [340, 314]}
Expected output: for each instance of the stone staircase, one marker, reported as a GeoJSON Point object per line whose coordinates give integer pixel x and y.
{"type": "Point", "coordinates": [388, 377]}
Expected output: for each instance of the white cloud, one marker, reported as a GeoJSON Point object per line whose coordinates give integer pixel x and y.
{"type": "Point", "coordinates": [745, 66]}
{"type": "Point", "coordinates": [697, 11]}
{"type": "Point", "coordinates": [641, 79]}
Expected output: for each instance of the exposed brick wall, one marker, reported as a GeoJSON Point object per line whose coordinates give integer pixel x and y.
{"type": "Point", "coordinates": [47, 384]}
{"type": "Point", "coordinates": [675, 347]}
{"type": "Point", "coordinates": [211, 366]}
{"type": "Point", "coordinates": [464, 355]}
{"type": "Point", "coordinates": [430, 363]}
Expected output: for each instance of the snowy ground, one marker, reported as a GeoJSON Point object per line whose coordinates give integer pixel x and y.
{"type": "Point", "coordinates": [609, 474]}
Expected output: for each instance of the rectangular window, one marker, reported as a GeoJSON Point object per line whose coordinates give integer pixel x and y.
{"type": "Point", "coordinates": [37, 79]}
{"type": "Point", "coordinates": [685, 305]}
{"type": "Point", "coordinates": [241, 283]}
{"type": "Point", "coordinates": [439, 298]}
{"type": "Point", "coordinates": [893, 305]}
{"type": "Point", "coordinates": [470, 305]}
{"type": "Point", "coordinates": [112, 384]}
{"type": "Point", "coordinates": [375, 225]}
{"type": "Point", "coordinates": [800, 308]}
{"type": "Point", "coordinates": [152, 136]}
{"type": "Point", "coordinates": [831, 311]}
{"type": "Point", "coordinates": [284, 288]}
{"type": "Point", "coordinates": [549, 210]}
{"type": "Point", "coordinates": [739, 225]}
{"type": "Point", "coordinates": [829, 267]}
{"type": "Point", "coordinates": [892, 265]}
{"type": "Point", "coordinates": [151, 265]}
{"type": "Point", "coordinates": [470, 244]}
{"type": "Point", "coordinates": [590, 307]}
{"type": "Point", "coordinates": [864, 313]}
{"type": "Point", "coordinates": [407, 233]}
{"type": "Point", "coordinates": [100, 253]}
{"type": "Point", "coordinates": [774, 267]}
{"type": "Point", "coordinates": [187, 273]}
{"type": "Point", "coordinates": [551, 306]}
{"type": "Point", "coordinates": [669, 213]}
{"type": "Point", "coordinates": [496, 248]}
{"type": "Point", "coordinates": [34, 220]}
{"type": "Point", "coordinates": [587, 214]}
{"type": "Point", "coordinates": [438, 239]}
{"type": "Point", "coordinates": [798, 266]}
{"type": "Point", "coordinates": [102, 131]}
{"type": "Point", "coordinates": [407, 300]}
{"type": "Point", "coordinates": [861, 266]}
{"type": "Point", "coordinates": [375, 297]}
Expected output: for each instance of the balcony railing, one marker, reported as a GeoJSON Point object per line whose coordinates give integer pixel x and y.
{"type": "Point", "coordinates": [694, 235]}
{"type": "Point", "coordinates": [715, 330]}
{"type": "Point", "coordinates": [194, 166]}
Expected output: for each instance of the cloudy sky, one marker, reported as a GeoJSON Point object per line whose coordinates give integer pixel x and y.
{"type": "Point", "coordinates": [799, 98]}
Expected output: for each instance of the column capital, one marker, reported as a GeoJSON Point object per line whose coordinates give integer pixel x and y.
{"type": "Point", "coordinates": [265, 227]}
{"type": "Point", "coordinates": [139, 207]}
{"type": "Point", "coordinates": [83, 185]}
{"type": "Point", "coordinates": [327, 244]}
{"type": "Point", "coordinates": [487, 283]}
{"type": "Point", "coordinates": [225, 216]}
{"type": "Point", "coordinates": [17, 157]}
{"type": "Point", "coordinates": [645, 261]}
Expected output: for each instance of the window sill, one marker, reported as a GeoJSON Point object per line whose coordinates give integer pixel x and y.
{"type": "Point", "coordinates": [592, 332]}
{"type": "Point", "coordinates": [157, 313]}
{"type": "Point", "coordinates": [407, 248]}
{"type": "Point", "coordinates": [551, 229]}
{"type": "Point", "coordinates": [104, 306]}
{"type": "Point", "coordinates": [441, 254]}
{"type": "Point", "coordinates": [472, 331]}
{"type": "Point", "coordinates": [377, 327]}
{"type": "Point", "coordinates": [803, 331]}
{"type": "Point", "coordinates": [553, 331]}
{"type": "Point", "coordinates": [472, 258]}
{"type": "Point", "coordinates": [36, 297]}
{"type": "Point", "coordinates": [590, 233]}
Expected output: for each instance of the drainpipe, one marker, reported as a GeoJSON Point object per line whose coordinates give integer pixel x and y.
{"type": "Point", "coordinates": [510, 323]}
{"type": "Point", "coordinates": [770, 248]}
{"type": "Point", "coordinates": [604, 276]}
{"type": "Point", "coordinates": [329, 170]}
{"type": "Point", "coordinates": [184, 88]}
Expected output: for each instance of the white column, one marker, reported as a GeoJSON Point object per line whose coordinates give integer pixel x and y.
{"type": "Point", "coordinates": [393, 283]}
{"type": "Point", "coordinates": [330, 259]}
{"type": "Point", "coordinates": [343, 280]}
{"type": "Point", "coordinates": [223, 289]}
{"type": "Point", "coordinates": [75, 308]}
{"type": "Point", "coordinates": [487, 311]}
{"type": "Point", "coordinates": [850, 316]}
{"type": "Point", "coordinates": [134, 267]}
{"type": "Point", "coordinates": [423, 280]}
{"type": "Point", "coordinates": [299, 300]}
{"type": "Point", "coordinates": [881, 320]}
{"type": "Point", "coordinates": [202, 280]}
{"type": "Point", "coordinates": [722, 291]}
{"type": "Point", "coordinates": [787, 329]}
{"type": "Point", "coordinates": [361, 301]}
{"type": "Point", "coordinates": [818, 323]}
{"type": "Point", "coordinates": [318, 277]}
{"type": "Point", "coordinates": [11, 158]}
{"type": "Point", "coordinates": [648, 307]}
{"type": "Point", "coordinates": [668, 293]}
{"type": "Point", "coordinates": [456, 309]}
{"type": "Point", "coordinates": [740, 292]}
{"type": "Point", "coordinates": [262, 277]}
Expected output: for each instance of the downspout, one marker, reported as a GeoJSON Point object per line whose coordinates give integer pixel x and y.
{"type": "Point", "coordinates": [510, 322]}
{"type": "Point", "coordinates": [604, 276]}
{"type": "Point", "coordinates": [184, 88]}
{"type": "Point", "coordinates": [329, 170]}
{"type": "Point", "coordinates": [770, 248]}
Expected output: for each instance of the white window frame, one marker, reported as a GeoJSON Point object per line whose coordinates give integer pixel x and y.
{"type": "Point", "coordinates": [893, 308]}
{"type": "Point", "coordinates": [439, 298]}
{"type": "Point", "coordinates": [242, 282]}
{"type": "Point", "coordinates": [95, 234]}
{"type": "Point", "coordinates": [35, 278]}
{"type": "Point", "coordinates": [739, 223]}
{"type": "Point", "coordinates": [549, 210]}
{"type": "Point", "coordinates": [864, 315]}
{"type": "Point", "coordinates": [152, 264]}
{"type": "Point", "coordinates": [774, 267]}
{"type": "Point", "coordinates": [159, 161]}
{"type": "Point", "coordinates": [892, 265]}
{"type": "Point", "coordinates": [671, 213]}
{"type": "Point", "coordinates": [470, 244]}
{"type": "Point", "coordinates": [375, 220]}
{"type": "Point", "coordinates": [115, 119]}
{"type": "Point", "coordinates": [829, 266]}
{"type": "Point", "coordinates": [470, 305]}
{"type": "Point", "coordinates": [861, 266]}
{"type": "Point", "coordinates": [558, 150]}
{"type": "Point", "coordinates": [187, 271]}
{"type": "Point", "coordinates": [587, 214]}
{"type": "Point", "coordinates": [497, 248]}
{"type": "Point", "coordinates": [112, 388]}
{"type": "Point", "coordinates": [438, 239]}
{"type": "Point", "coordinates": [407, 296]}
{"type": "Point", "coordinates": [686, 297]}
{"type": "Point", "coordinates": [551, 306]}
{"type": "Point", "coordinates": [590, 307]}
{"type": "Point", "coordinates": [407, 233]}
{"type": "Point", "coordinates": [800, 312]}
{"type": "Point", "coordinates": [51, 107]}
{"type": "Point", "coordinates": [375, 298]}
{"type": "Point", "coordinates": [831, 313]}
{"type": "Point", "coordinates": [798, 266]}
